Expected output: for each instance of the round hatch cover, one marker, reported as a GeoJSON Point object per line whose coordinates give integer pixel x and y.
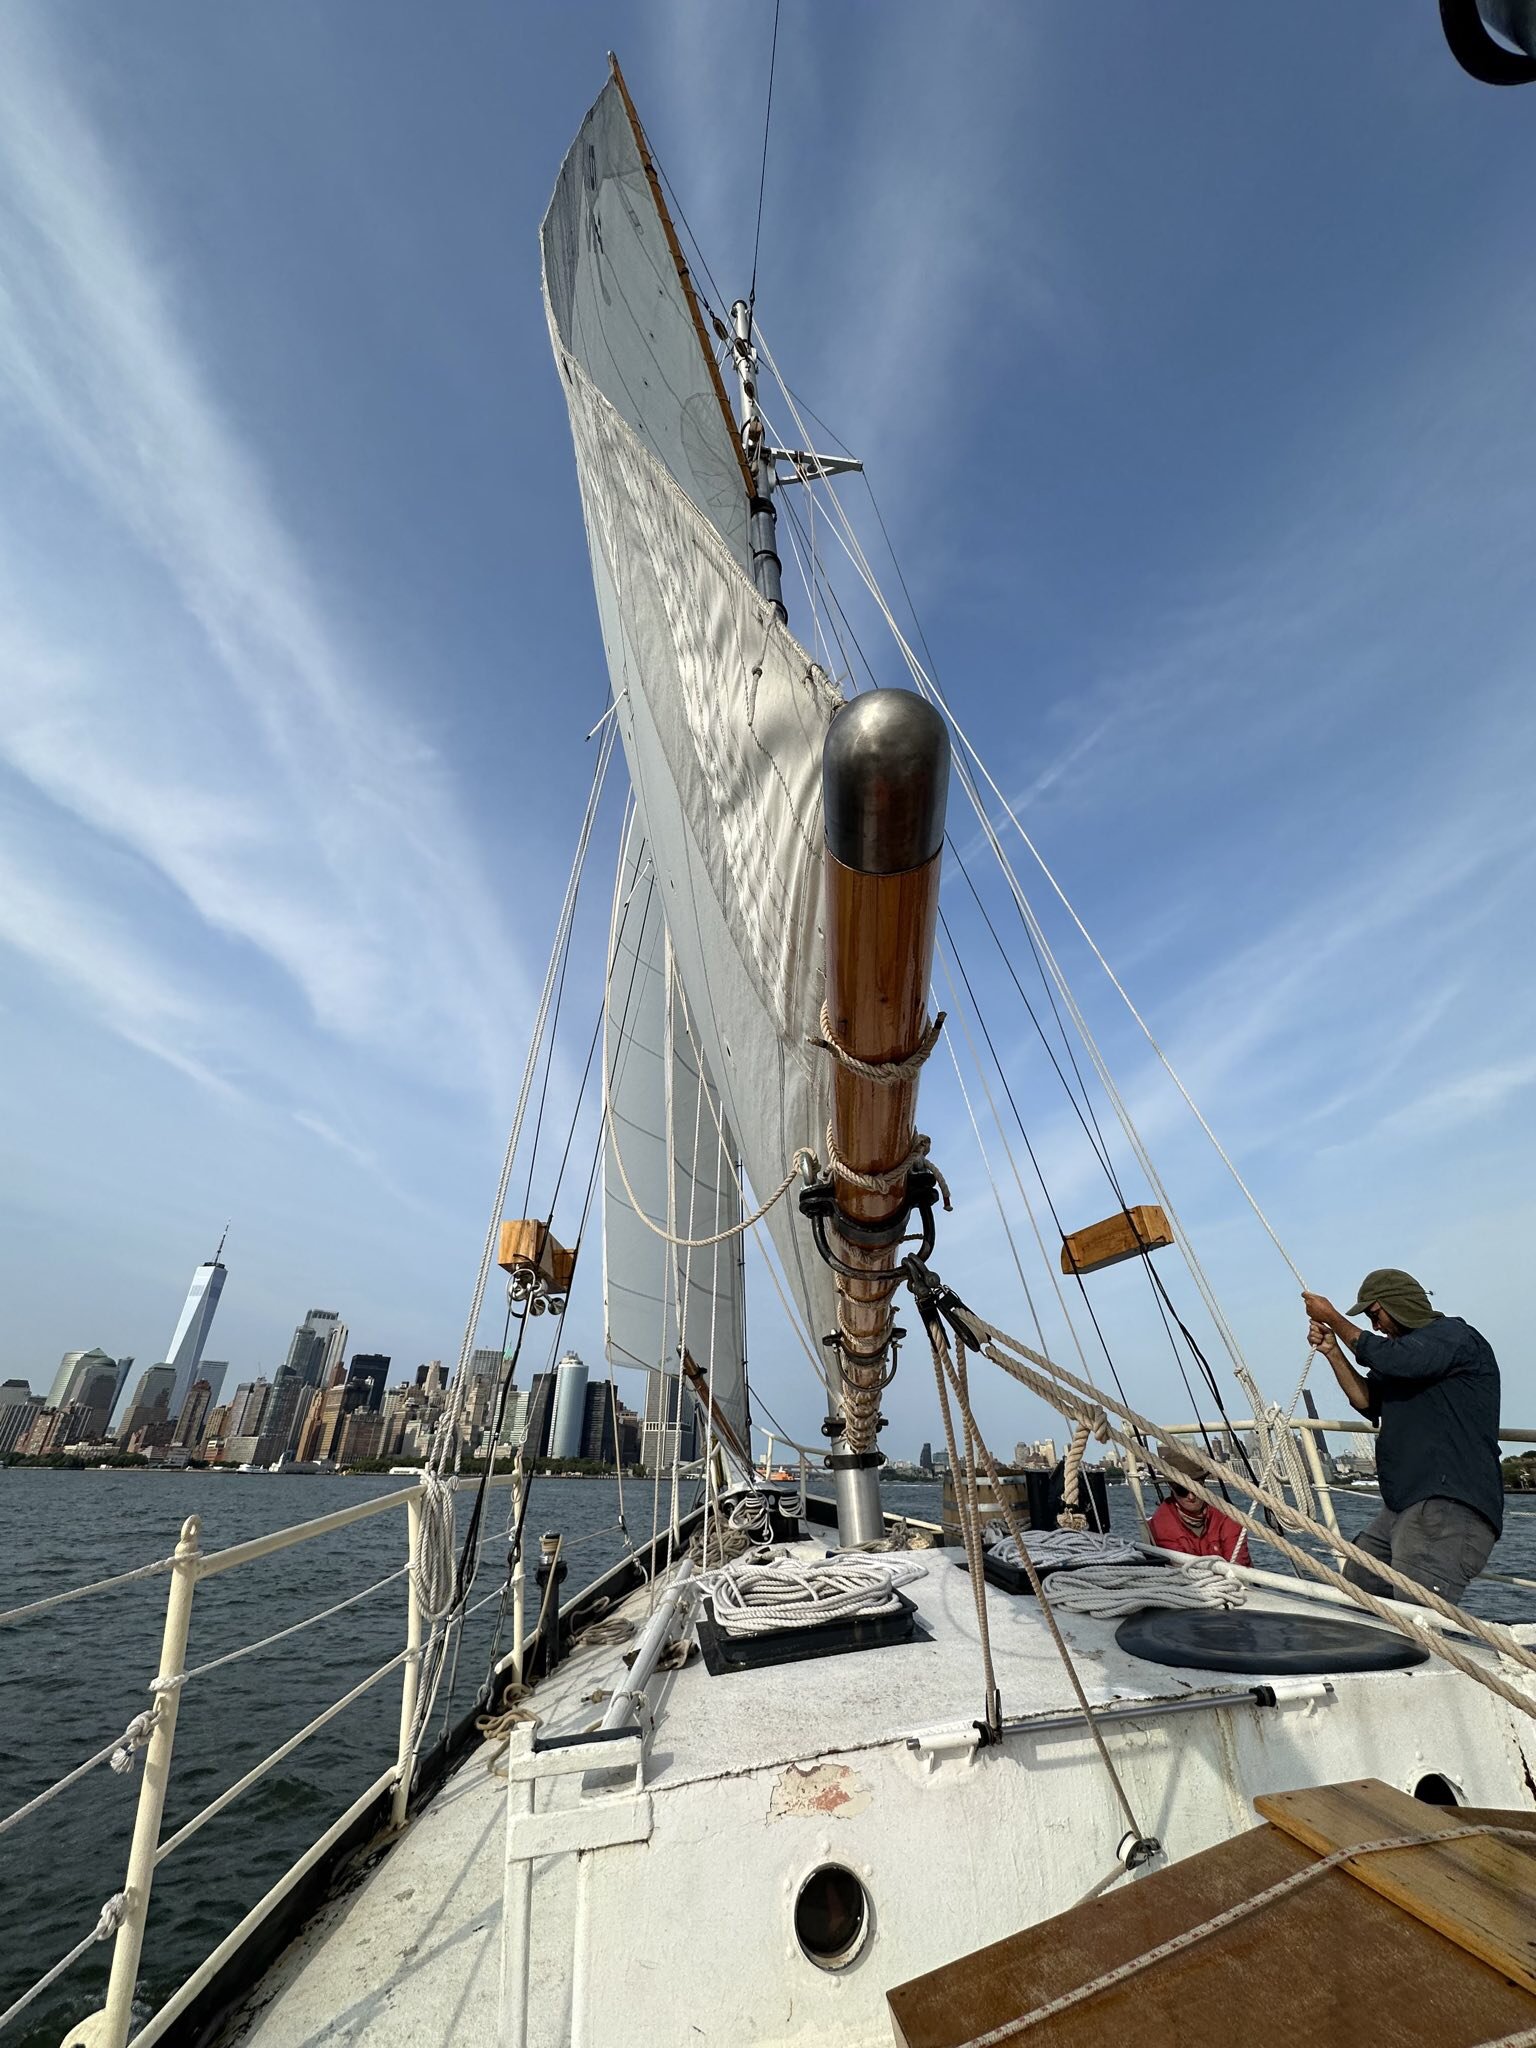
{"type": "Point", "coordinates": [1293, 1645]}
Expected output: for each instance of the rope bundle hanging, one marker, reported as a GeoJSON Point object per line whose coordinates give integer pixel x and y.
{"type": "Point", "coordinates": [759, 1598]}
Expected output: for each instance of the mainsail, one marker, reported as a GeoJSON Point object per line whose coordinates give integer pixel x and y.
{"type": "Point", "coordinates": [669, 1139]}
{"type": "Point", "coordinates": [721, 713]}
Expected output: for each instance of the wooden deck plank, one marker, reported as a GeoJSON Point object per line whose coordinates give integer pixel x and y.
{"type": "Point", "coordinates": [1479, 1892]}
{"type": "Point", "coordinates": [1332, 1964]}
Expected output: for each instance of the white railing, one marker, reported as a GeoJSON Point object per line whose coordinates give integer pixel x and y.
{"type": "Point", "coordinates": [124, 1914]}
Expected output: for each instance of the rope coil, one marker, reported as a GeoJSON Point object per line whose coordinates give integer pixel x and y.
{"type": "Point", "coordinates": [756, 1597]}
{"type": "Point", "coordinates": [1106, 1591]}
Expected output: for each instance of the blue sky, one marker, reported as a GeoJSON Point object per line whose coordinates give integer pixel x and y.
{"type": "Point", "coordinates": [1189, 357]}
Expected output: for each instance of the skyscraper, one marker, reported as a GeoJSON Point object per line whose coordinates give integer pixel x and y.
{"type": "Point", "coordinates": [570, 1407]}
{"type": "Point", "coordinates": [151, 1401]}
{"type": "Point", "coordinates": [75, 1368]}
{"type": "Point", "coordinates": [670, 1421]}
{"type": "Point", "coordinates": [318, 1344]}
{"type": "Point", "coordinates": [366, 1376]}
{"type": "Point", "coordinates": [213, 1371]}
{"type": "Point", "coordinates": [196, 1320]}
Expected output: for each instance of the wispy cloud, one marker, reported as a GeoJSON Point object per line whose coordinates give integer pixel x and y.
{"type": "Point", "coordinates": [174, 678]}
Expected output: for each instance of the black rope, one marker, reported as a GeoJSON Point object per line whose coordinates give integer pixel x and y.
{"type": "Point", "coordinates": [762, 176]}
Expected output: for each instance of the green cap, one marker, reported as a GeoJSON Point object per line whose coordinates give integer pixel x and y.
{"type": "Point", "coordinates": [1404, 1300]}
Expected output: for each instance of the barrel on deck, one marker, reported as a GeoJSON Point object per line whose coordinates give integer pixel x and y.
{"type": "Point", "coordinates": [1034, 1495]}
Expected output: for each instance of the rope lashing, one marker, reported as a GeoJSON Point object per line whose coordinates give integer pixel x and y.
{"type": "Point", "coordinates": [758, 1598]}
{"type": "Point", "coordinates": [804, 1163]}
{"type": "Point", "coordinates": [888, 1181]}
{"type": "Point", "coordinates": [135, 1736]}
{"type": "Point", "coordinates": [1308, 1874]}
{"type": "Point", "coordinates": [1106, 1591]}
{"type": "Point", "coordinates": [1051, 1382]}
{"type": "Point", "coordinates": [887, 1073]}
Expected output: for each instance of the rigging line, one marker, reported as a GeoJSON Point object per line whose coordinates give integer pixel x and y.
{"type": "Point", "coordinates": [1050, 1202]}
{"type": "Point", "coordinates": [1154, 1277]}
{"type": "Point", "coordinates": [851, 546]}
{"type": "Point", "coordinates": [762, 176]}
{"type": "Point", "coordinates": [1160, 1295]}
{"type": "Point", "coordinates": [958, 1010]}
{"type": "Point", "coordinates": [562, 935]}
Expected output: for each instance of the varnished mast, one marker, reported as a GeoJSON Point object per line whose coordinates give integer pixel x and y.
{"type": "Point", "coordinates": [885, 779]}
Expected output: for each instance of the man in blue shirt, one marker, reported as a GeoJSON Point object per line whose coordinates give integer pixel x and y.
{"type": "Point", "coordinates": [1431, 1385]}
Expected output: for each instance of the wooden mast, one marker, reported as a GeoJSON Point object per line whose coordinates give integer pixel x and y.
{"type": "Point", "coordinates": [885, 778]}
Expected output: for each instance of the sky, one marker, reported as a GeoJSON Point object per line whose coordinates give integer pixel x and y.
{"type": "Point", "coordinates": [1188, 358]}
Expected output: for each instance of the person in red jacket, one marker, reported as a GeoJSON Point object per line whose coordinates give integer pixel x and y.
{"type": "Point", "coordinates": [1187, 1524]}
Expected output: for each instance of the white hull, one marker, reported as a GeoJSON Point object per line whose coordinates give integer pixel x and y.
{"type": "Point", "coordinates": [662, 1901]}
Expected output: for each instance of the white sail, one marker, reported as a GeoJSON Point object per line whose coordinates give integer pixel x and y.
{"type": "Point", "coordinates": [721, 713]}
{"type": "Point", "coordinates": [668, 1137]}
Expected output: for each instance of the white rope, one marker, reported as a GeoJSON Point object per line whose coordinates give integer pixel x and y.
{"type": "Point", "coordinates": [182, 1678]}
{"type": "Point", "coordinates": [886, 1072]}
{"type": "Point", "coordinates": [804, 1159]}
{"type": "Point", "coordinates": [143, 1571]}
{"type": "Point", "coordinates": [1058, 1549]}
{"type": "Point", "coordinates": [1103, 1591]}
{"type": "Point", "coordinates": [1011, 2029]}
{"type": "Point", "coordinates": [928, 688]}
{"type": "Point", "coordinates": [890, 1178]}
{"type": "Point", "coordinates": [434, 1569]}
{"type": "Point", "coordinates": [1051, 1384]}
{"type": "Point", "coordinates": [119, 1752]}
{"type": "Point", "coordinates": [109, 1920]}
{"type": "Point", "coordinates": [755, 1598]}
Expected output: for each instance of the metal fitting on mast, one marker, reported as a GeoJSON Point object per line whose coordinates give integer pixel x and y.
{"type": "Point", "coordinates": [763, 522]}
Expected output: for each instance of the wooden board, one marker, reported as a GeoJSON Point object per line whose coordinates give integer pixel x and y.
{"type": "Point", "coordinates": [527, 1243]}
{"type": "Point", "coordinates": [1480, 1892]}
{"type": "Point", "coordinates": [1332, 1965]}
{"type": "Point", "coordinates": [1125, 1235]}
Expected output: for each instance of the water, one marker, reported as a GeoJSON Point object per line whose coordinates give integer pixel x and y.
{"type": "Point", "coordinates": [71, 1680]}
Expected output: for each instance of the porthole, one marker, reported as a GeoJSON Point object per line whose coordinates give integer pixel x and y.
{"type": "Point", "coordinates": [833, 1917]}
{"type": "Point", "coordinates": [1436, 1791]}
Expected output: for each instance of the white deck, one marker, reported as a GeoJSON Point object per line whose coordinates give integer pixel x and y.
{"type": "Point", "coordinates": [955, 1848]}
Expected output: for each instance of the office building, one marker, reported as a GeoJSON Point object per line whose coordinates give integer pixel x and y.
{"type": "Point", "coordinates": [189, 1429]}
{"type": "Point", "coordinates": [214, 1371]}
{"type": "Point", "coordinates": [570, 1407]}
{"type": "Point", "coordinates": [671, 1422]}
{"type": "Point", "coordinates": [283, 1417]}
{"type": "Point", "coordinates": [151, 1402]}
{"type": "Point", "coordinates": [248, 1404]}
{"type": "Point", "coordinates": [317, 1345]}
{"type": "Point", "coordinates": [599, 1442]}
{"type": "Point", "coordinates": [366, 1379]}
{"type": "Point", "coordinates": [19, 1406]}
{"type": "Point", "coordinates": [540, 1414]}
{"type": "Point", "coordinates": [74, 1368]}
{"type": "Point", "coordinates": [185, 1355]}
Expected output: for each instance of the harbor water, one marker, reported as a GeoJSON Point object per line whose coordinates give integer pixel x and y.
{"type": "Point", "coordinates": [72, 1679]}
